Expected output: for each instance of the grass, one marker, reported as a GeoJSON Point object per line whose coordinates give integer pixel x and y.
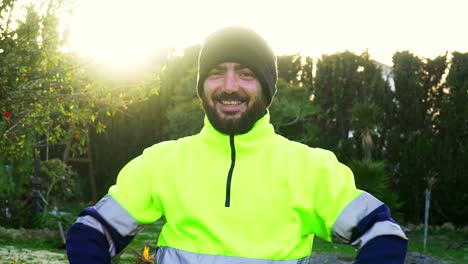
{"type": "Point", "coordinates": [447, 245]}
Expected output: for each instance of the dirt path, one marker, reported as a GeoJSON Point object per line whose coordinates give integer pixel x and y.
{"type": "Point", "coordinates": [30, 256]}
{"type": "Point", "coordinates": [42, 257]}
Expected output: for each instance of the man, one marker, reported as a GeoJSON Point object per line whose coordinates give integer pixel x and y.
{"type": "Point", "coordinates": [236, 192]}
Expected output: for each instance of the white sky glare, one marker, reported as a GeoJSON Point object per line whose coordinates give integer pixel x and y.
{"type": "Point", "coordinates": [127, 32]}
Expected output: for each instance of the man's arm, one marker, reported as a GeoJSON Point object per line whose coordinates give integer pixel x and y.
{"type": "Point", "coordinates": [366, 224]}
{"type": "Point", "coordinates": [100, 232]}
{"type": "Point", "coordinates": [104, 230]}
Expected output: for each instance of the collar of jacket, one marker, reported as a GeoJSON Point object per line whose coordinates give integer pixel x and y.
{"type": "Point", "coordinates": [261, 133]}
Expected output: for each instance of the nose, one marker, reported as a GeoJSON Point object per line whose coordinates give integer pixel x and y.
{"type": "Point", "coordinates": [230, 82]}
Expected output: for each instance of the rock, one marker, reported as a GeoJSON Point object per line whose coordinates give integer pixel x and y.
{"type": "Point", "coordinates": [407, 229]}
{"type": "Point", "coordinates": [411, 226]}
{"type": "Point", "coordinates": [448, 226]}
{"type": "Point", "coordinates": [463, 229]}
{"type": "Point", "coordinates": [419, 227]}
{"type": "Point", "coordinates": [411, 258]}
{"type": "Point", "coordinates": [418, 258]}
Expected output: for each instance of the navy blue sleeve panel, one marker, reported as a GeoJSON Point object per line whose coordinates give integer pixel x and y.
{"type": "Point", "coordinates": [86, 245]}
{"type": "Point", "coordinates": [120, 241]}
{"type": "Point", "coordinates": [380, 214]}
{"type": "Point", "coordinates": [364, 219]}
{"type": "Point", "coordinates": [383, 250]}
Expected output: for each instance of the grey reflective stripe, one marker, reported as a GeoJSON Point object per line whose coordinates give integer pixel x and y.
{"type": "Point", "coordinates": [118, 217]}
{"type": "Point", "coordinates": [378, 229]}
{"type": "Point", "coordinates": [351, 215]}
{"type": "Point", "coordinates": [167, 255]}
{"type": "Point", "coordinates": [93, 223]}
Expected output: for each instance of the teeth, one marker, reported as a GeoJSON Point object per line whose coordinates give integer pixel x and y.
{"type": "Point", "coordinates": [230, 102]}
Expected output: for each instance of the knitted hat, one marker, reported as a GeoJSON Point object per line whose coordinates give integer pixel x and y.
{"type": "Point", "coordinates": [244, 46]}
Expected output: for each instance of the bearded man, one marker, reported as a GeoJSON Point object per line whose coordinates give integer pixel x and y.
{"type": "Point", "coordinates": [236, 192]}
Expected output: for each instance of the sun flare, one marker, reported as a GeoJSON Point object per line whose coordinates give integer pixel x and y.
{"type": "Point", "coordinates": [126, 34]}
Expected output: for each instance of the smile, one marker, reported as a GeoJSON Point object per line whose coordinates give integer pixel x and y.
{"type": "Point", "coordinates": [231, 102]}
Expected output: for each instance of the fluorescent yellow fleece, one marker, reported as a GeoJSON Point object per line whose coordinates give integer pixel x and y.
{"type": "Point", "coordinates": [281, 193]}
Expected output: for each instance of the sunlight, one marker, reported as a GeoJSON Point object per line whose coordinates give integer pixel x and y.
{"type": "Point", "coordinates": [113, 32]}
{"type": "Point", "coordinates": [125, 34]}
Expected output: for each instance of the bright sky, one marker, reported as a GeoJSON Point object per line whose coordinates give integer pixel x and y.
{"type": "Point", "coordinates": [125, 33]}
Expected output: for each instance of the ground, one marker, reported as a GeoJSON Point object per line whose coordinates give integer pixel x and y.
{"type": "Point", "coordinates": [25, 247]}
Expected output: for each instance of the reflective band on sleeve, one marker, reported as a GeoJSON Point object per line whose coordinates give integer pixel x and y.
{"type": "Point", "coordinates": [351, 215]}
{"type": "Point", "coordinates": [93, 223]}
{"type": "Point", "coordinates": [168, 255]}
{"type": "Point", "coordinates": [117, 217]}
{"type": "Point", "coordinates": [379, 229]}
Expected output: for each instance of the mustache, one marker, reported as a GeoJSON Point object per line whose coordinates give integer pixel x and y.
{"type": "Point", "coordinates": [230, 96]}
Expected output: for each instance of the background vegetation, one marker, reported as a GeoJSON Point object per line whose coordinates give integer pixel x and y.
{"type": "Point", "coordinates": [65, 126]}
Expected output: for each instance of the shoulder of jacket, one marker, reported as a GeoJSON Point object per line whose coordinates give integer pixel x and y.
{"type": "Point", "coordinates": [168, 145]}
{"type": "Point", "coordinates": [312, 151]}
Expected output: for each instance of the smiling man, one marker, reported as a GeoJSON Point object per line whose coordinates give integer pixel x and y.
{"type": "Point", "coordinates": [236, 82]}
{"type": "Point", "coordinates": [236, 192]}
{"type": "Point", "coordinates": [232, 98]}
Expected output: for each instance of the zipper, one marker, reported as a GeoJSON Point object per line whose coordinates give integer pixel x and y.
{"type": "Point", "coordinates": [227, 203]}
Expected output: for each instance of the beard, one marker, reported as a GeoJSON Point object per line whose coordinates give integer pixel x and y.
{"type": "Point", "coordinates": [235, 126]}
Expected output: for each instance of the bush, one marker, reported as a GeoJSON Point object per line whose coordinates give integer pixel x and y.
{"type": "Point", "coordinates": [56, 188]}
{"type": "Point", "coordinates": [15, 190]}
{"type": "Point", "coordinates": [372, 177]}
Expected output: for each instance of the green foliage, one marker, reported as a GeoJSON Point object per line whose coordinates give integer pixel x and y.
{"type": "Point", "coordinates": [451, 147]}
{"type": "Point", "coordinates": [372, 177]}
{"type": "Point", "coordinates": [409, 92]}
{"type": "Point", "coordinates": [185, 114]}
{"type": "Point", "coordinates": [15, 202]}
{"type": "Point", "coordinates": [296, 70]}
{"type": "Point", "coordinates": [343, 84]}
{"type": "Point", "coordinates": [292, 113]}
{"type": "Point", "coordinates": [57, 187]}
{"type": "Point", "coordinates": [51, 99]}
{"type": "Point", "coordinates": [168, 108]}
{"type": "Point", "coordinates": [365, 122]}
{"type": "Point", "coordinates": [6, 177]}
{"type": "Point", "coordinates": [427, 139]}
{"type": "Point", "coordinates": [57, 183]}
{"type": "Point", "coordinates": [289, 68]}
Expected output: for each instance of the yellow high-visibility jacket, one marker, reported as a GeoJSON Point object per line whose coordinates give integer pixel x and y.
{"type": "Point", "coordinates": [251, 197]}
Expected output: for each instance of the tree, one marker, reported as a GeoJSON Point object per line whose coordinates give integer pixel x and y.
{"type": "Point", "coordinates": [49, 99]}
{"type": "Point", "coordinates": [343, 82]}
{"type": "Point", "coordinates": [415, 149]}
{"type": "Point", "coordinates": [289, 68]}
{"type": "Point", "coordinates": [293, 114]}
{"type": "Point", "coordinates": [452, 149]}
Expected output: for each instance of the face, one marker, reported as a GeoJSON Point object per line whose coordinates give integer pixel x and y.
{"type": "Point", "coordinates": [232, 98]}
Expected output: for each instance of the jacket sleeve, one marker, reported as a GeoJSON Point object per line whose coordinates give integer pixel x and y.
{"type": "Point", "coordinates": [383, 249]}
{"type": "Point", "coordinates": [366, 223]}
{"type": "Point", "coordinates": [100, 232]}
{"type": "Point", "coordinates": [87, 245]}
{"type": "Point", "coordinates": [104, 230]}
{"type": "Point", "coordinates": [356, 217]}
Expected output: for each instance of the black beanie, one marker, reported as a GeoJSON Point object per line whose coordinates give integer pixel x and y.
{"type": "Point", "coordinates": [244, 46]}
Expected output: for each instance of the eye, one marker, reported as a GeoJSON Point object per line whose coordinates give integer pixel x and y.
{"type": "Point", "coordinates": [215, 73]}
{"type": "Point", "coordinates": [247, 74]}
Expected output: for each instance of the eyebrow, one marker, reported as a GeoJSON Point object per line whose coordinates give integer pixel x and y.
{"type": "Point", "coordinates": [241, 67]}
